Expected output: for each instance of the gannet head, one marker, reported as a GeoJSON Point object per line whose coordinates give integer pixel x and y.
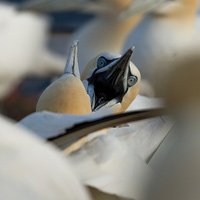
{"type": "Point", "coordinates": [112, 80]}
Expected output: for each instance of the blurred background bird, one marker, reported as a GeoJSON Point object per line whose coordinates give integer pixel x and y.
{"type": "Point", "coordinates": [24, 55]}
{"type": "Point", "coordinates": [168, 34]}
{"type": "Point", "coordinates": [176, 163]}
{"type": "Point", "coordinates": [23, 38]}
{"type": "Point", "coordinates": [33, 169]}
{"type": "Point", "coordinates": [103, 33]}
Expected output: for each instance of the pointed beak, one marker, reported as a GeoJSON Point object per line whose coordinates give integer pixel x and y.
{"type": "Point", "coordinates": [72, 61]}
{"type": "Point", "coordinates": [117, 75]}
{"type": "Point", "coordinates": [139, 6]}
{"type": "Point", "coordinates": [111, 82]}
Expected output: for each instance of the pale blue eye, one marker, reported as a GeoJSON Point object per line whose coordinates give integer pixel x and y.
{"type": "Point", "coordinates": [132, 80]}
{"type": "Point", "coordinates": [101, 62]}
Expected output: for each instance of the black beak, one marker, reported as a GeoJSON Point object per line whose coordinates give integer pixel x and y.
{"type": "Point", "coordinates": [111, 83]}
{"type": "Point", "coordinates": [117, 75]}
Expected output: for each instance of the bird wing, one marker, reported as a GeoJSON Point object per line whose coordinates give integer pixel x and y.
{"type": "Point", "coordinates": [99, 162]}
{"type": "Point", "coordinates": [49, 125]}
{"type": "Point", "coordinates": [72, 134]}
{"type": "Point", "coordinates": [65, 129]}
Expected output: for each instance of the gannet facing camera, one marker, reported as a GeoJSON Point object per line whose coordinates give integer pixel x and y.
{"type": "Point", "coordinates": [67, 94]}
{"type": "Point", "coordinates": [112, 80]}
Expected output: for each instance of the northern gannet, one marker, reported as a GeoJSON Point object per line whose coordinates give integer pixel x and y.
{"type": "Point", "coordinates": [165, 36]}
{"type": "Point", "coordinates": [176, 162]}
{"type": "Point", "coordinates": [33, 169]}
{"type": "Point", "coordinates": [112, 80]}
{"type": "Point", "coordinates": [67, 94]}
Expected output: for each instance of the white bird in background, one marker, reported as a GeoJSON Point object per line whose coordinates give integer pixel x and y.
{"type": "Point", "coordinates": [104, 33]}
{"type": "Point", "coordinates": [176, 162]}
{"type": "Point", "coordinates": [33, 169]}
{"type": "Point", "coordinates": [167, 35]}
{"type": "Point", "coordinates": [23, 48]}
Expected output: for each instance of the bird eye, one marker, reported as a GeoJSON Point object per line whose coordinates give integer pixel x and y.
{"type": "Point", "coordinates": [132, 80]}
{"type": "Point", "coordinates": [101, 62]}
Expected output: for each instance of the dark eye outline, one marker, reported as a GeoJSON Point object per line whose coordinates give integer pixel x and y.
{"type": "Point", "coordinates": [135, 80]}
{"type": "Point", "coordinates": [104, 61]}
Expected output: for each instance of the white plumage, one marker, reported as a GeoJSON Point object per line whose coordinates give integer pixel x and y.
{"type": "Point", "coordinates": [167, 36]}
{"type": "Point", "coordinates": [115, 163]}
{"type": "Point", "coordinates": [32, 169]}
{"type": "Point", "coordinates": [23, 48]}
{"type": "Point", "coordinates": [176, 163]}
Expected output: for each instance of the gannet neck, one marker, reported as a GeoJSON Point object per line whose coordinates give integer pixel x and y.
{"type": "Point", "coordinates": [72, 61]}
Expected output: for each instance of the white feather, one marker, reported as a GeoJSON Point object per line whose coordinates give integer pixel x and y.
{"type": "Point", "coordinates": [163, 39]}
{"type": "Point", "coordinates": [32, 169]}
{"type": "Point", "coordinates": [23, 48]}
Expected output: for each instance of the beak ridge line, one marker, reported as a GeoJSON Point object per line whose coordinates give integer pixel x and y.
{"type": "Point", "coordinates": [72, 61]}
